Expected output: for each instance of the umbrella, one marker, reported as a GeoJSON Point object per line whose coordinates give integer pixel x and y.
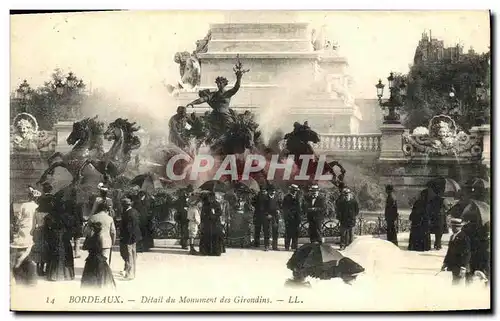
{"type": "Point", "coordinates": [445, 187]}
{"type": "Point", "coordinates": [214, 186]}
{"type": "Point", "coordinates": [147, 182]}
{"type": "Point", "coordinates": [322, 261]}
{"type": "Point", "coordinates": [249, 185]}
{"type": "Point", "coordinates": [473, 211]}
{"type": "Point", "coordinates": [478, 183]}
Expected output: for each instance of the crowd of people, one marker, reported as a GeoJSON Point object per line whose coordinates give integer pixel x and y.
{"type": "Point", "coordinates": [46, 227]}
{"type": "Point", "coordinates": [468, 248]}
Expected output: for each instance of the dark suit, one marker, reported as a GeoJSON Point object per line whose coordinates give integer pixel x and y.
{"type": "Point", "coordinates": [347, 211]}
{"type": "Point", "coordinates": [458, 255]}
{"type": "Point", "coordinates": [292, 210]}
{"type": "Point", "coordinates": [130, 235]}
{"type": "Point", "coordinates": [273, 209]}
{"type": "Point", "coordinates": [259, 220]}
{"type": "Point", "coordinates": [391, 219]}
{"type": "Point", "coordinates": [181, 218]}
{"type": "Point", "coordinates": [315, 215]}
{"type": "Point", "coordinates": [437, 219]}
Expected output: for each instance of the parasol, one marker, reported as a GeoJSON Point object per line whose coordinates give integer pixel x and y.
{"type": "Point", "coordinates": [444, 187]}
{"type": "Point", "coordinates": [478, 183]}
{"type": "Point", "coordinates": [473, 211]}
{"type": "Point", "coordinates": [249, 185]}
{"type": "Point", "coordinates": [214, 186]}
{"type": "Point", "coordinates": [322, 261]}
{"type": "Point", "coordinates": [147, 182]}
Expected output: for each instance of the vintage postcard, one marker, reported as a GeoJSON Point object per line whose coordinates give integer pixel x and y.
{"type": "Point", "coordinates": [250, 161]}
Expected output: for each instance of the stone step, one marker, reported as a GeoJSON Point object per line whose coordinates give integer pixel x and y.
{"type": "Point", "coordinates": [403, 239]}
{"type": "Point", "coordinates": [260, 45]}
{"type": "Point", "coordinates": [260, 31]}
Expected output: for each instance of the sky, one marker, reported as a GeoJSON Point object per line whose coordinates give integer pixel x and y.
{"type": "Point", "coordinates": [131, 53]}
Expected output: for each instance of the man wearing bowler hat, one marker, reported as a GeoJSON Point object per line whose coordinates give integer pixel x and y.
{"type": "Point", "coordinates": [315, 208]}
{"type": "Point", "coordinates": [457, 259]}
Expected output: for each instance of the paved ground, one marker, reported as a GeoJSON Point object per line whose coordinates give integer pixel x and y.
{"type": "Point", "coordinates": [394, 280]}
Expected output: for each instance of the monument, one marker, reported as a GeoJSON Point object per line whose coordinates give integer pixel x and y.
{"type": "Point", "coordinates": [294, 72]}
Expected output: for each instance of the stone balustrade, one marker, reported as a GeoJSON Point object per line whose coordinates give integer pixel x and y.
{"type": "Point", "coordinates": [349, 142]}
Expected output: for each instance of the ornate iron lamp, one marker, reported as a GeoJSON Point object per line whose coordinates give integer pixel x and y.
{"type": "Point", "coordinates": [24, 91]}
{"type": "Point", "coordinates": [24, 94]}
{"type": "Point", "coordinates": [482, 98]}
{"type": "Point", "coordinates": [396, 99]}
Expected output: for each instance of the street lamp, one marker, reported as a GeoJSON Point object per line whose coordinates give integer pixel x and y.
{"type": "Point", "coordinates": [59, 88]}
{"type": "Point", "coordinates": [483, 104]}
{"type": "Point", "coordinates": [23, 93]}
{"type": "Point", "coordinates": [396, 99]}
{"type": "Point", "coordinates": [71, 80]}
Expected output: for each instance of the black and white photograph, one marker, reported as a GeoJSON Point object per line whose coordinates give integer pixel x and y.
{"type": "Point", "coordinates": [250, 160]}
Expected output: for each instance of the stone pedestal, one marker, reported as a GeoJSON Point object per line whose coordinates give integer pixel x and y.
{"type": "Point", "coordinates": [391, 144]}
{"type": "Point", "coordinates": [485, 132]}
{"type": "Point", "coordinates": [63, 129]}
{"type": "Point", "coordinates": [283, 72]}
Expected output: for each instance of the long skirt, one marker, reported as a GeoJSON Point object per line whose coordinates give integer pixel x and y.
{"type": "Point", "coordinates": [39, 250]}
{"type": "Point", "coordinates": [97, 273]}
{"type": "Point", "coordinates": [211, 240]}
{"type": "Point", "coordinates": [60, 264]}
{"type": "Point", "coordinates": [420, 239]}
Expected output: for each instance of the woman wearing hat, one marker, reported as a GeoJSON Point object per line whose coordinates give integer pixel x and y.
{"type": "Point", "coordinates": [24, 269]}
{"type": "Point", "coordinates": [193, 216]}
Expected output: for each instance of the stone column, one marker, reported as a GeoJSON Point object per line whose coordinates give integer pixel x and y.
{"type": "Point", "coordinates": [485, 132]}
{"type": "Point", "coordinates": [391, 144]}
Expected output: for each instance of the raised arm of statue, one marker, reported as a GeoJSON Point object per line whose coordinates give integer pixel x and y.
{"type": "Point", "coordinates": [231, 92]}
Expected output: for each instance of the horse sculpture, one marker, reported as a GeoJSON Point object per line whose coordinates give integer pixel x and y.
{"type": "Point", "coordinates": [87, 141]}
{"type": "Point", "coordinates": [297, 144]}
{"type": "Point", "coordinates": [114, 162]}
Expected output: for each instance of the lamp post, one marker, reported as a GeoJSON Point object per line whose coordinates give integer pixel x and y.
{"type": "Point", "coordinates": [483, 104]}
{"type": "Point", "coordinates": [24, 93]}
{"type": "Point", "coordinates": [395, 101]}
{"type": "Point", "coordinates": [66, 89]}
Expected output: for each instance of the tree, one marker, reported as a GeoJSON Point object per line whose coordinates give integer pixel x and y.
{"type": "Point", "coordinates": [59, 98]}
{"type": "Point", "coordinates": [430, 83]}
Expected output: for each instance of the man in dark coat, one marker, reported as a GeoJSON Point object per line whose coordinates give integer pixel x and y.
{"type": "Point", "coordinates": [391, 215]}
{"type": "Point", "coordinates": [315, 209]}
{"type": "Point", "coordinates": [142, 205]}
{"type": "Point", "coordinates": [129, 236]}
{"type": "Point", "coordinates": [273, 210]}
{"type": "Point", "coordinates": [457, 259]}
{"type": "Point", "coordinates": [347, 210]}
{"type": "Point", "coordinates": [292, 210]}
{"type": "Point", "coordinates": [259, 218]}
{"type": "Point", "coordinates": [181, 208]}
{"type": "Point", "coordinates": [478, 237]}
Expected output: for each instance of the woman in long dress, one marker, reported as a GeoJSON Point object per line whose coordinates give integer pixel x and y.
{"type": "Point", "coordinates": [211, 227]}
{"type": "Point", "coordinates": [193, 216]}
{"type": "Point", "coordinates": [420, 238]}
{"type": "Point", "coordinates": [39, 249]}
{"type": "Point", "coordinates": [96, 273]}
{"type": "Point", "coordinates": [60, 265]}
{"type": "Point", "coordinates": [23, 268]}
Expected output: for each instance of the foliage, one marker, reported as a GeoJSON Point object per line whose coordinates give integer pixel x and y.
{"type": "Point", "coordinates": [429, 85]}
{"type": "Point", "coordinates": [48, 105]}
